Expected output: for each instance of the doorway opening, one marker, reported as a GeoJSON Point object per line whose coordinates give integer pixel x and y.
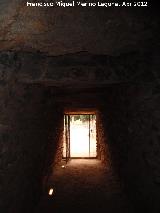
{"type": "Point", "coordinates": [79, 136]}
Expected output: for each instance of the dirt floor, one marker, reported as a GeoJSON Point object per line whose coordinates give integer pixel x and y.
{"type": "Point", "coordinates": [84, 185]}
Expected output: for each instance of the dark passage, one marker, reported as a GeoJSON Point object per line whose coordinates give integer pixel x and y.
{"type": "Point", "coordinates": [104, 61]}
{"type": "Point", "coordinates": [127, 124]}
{"type": "Point", "coordinates": [84, 186]}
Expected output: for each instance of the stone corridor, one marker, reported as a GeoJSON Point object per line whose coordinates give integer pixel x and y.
{"type": "Point", "coordinates": [84, 185]}
{"type": "Point", "coordinates": [55, 60]}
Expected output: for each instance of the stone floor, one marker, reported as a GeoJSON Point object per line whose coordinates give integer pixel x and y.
{"type": "Point", "coordinates": [84, 185]}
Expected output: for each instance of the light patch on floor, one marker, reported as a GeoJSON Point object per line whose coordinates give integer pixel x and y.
{"type": "Point", "coordinates": [85, 185]}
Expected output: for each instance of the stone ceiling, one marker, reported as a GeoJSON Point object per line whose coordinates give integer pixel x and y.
{"type": "Point", "coordinates": [58, 31]}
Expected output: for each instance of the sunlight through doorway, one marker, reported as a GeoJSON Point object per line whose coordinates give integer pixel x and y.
{"type": "Point", "coordinates": [80, 136]}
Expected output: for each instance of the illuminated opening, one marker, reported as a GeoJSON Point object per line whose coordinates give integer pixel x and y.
{"type": "Point", "coordinates": [80, 136]}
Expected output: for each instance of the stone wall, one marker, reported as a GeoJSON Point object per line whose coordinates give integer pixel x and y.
{"type": "Point", "coordinates": [103, 152]}
{"type": "Point", "coordinates": [78, 70]}
{"type": "Point", "coordinates": [28, 142]}
{"type": "Point", "coordinates": [144, 129]}
{"type": "Point", "coordinates": [131, 117]}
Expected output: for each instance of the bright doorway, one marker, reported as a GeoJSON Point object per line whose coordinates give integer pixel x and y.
{"type": "Point", "coordinates": [80, 136]}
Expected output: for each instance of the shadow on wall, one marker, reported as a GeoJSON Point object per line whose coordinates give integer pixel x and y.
{"type": "Point", "coordinates": [28, 144]}
{"type": "Point", "coordinates": [131, 120]}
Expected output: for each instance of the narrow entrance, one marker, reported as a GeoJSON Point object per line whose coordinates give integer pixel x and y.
{"type": "Point", "coordinates": [80, 136]}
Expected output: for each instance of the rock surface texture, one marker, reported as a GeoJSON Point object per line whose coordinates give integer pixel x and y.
{"type": "Point", "coordinates": [57, 58]}
{"type": "Point", "coordinates": [58, 31]}
{"type": "Point", "coordinates": [91, 181]}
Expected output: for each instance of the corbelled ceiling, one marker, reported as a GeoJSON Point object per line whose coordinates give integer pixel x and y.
{"type": "Point", "coordinates": [58, 31]}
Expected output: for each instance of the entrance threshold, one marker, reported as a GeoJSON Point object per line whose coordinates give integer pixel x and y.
{"type": "Point", "coordinates": [79, 136]}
